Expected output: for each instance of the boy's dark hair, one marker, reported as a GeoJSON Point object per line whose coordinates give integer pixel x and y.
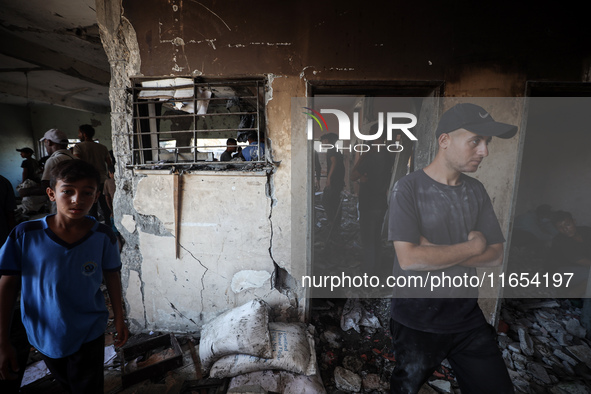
{"type": "Point", "coordinates": [231, 141]}
{"type": "Point", "coordinates": [253, 136]}
{"type": "Point", "coordinates": [87, 130]}
{"type": "Point", "coordinates": [72, 171]}
{"type": "Point", "coordinates": [560, 216]}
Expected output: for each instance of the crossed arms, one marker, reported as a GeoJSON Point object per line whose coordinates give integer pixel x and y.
{"type": "Point", "coordinates": [426, 256]}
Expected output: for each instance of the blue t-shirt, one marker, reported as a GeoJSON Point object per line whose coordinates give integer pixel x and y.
{"type": "Point", "coordinates": [62, 304]}
{"type": "Point", "coordinates": [254, 152]}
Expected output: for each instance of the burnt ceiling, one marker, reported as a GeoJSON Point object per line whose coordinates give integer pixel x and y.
{"type": "Point", "coordinates": [51, 53]}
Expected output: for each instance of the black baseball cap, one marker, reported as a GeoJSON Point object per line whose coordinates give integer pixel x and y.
{"type": "Point", "coordinates": [26, 150]}
{"type": "Point", "coordinates": [473, 118]}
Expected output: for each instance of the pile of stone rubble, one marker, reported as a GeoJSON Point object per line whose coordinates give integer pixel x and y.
{"type": "Point", "coordinates": [544, 346]}
{"type": "Point", "coordinates": [542, 342]}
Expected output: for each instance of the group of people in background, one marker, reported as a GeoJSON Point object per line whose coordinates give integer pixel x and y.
{"type": "Point", "coordinates": [36, 174]}
{"type": "Point", "coordinates": [556, 235]}
{"type": "Point", "coordinates": [254, 151]}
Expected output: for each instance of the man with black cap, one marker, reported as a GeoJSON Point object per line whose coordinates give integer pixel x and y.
{"type": "Point", "coordinates": [30, 166]}
{"type": "Point", "coordinates": [442, 222]}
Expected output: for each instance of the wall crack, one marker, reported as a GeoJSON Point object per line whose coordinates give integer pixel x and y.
{"type": "Point", "coordinates": [179, 312]}
{"type": "Point", "coordinates": [202, 278]}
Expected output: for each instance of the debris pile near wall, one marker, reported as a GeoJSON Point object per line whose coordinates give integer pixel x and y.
{"type": "Point", "coordinates": [545, 348]}
{"type": "Point", "coordinates": [542, 342]}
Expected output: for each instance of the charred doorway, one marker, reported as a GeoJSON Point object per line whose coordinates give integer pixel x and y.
{"type": "Point", "coordinates": [348, 228]}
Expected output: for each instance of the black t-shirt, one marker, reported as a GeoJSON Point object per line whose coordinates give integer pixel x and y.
{"type": "Point", "coordinates": [444, 215]}
{"type": "Point", "coordinates": [337, 179]}
{"type": "Point", "coordinates": [32, 167]}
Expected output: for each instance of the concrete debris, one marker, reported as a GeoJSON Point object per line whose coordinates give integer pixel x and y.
{"type": "Point", "coordinates": [543, 304]}
{"type": "Point", "coordinates": [371, 381]}
{"type": "Point", "coordinates": [582, 353]}
{"type": "Point", "coordinates": [545, 348]}
{"type": "Point", "coordinates": [534, 333]}
{"type": "Point", "coordinates": [538, 372]}
{"type": "Point", "coordinates": [561, 355]}
{"type": "Point", "coordinates": [574, 328]}
{"type": "Point", "coordinates": [521, 385]}
{"type": "Point", "coordinates": [347, 380]}
{"type": "Point", "coordinates": [443, 386]}
{"type": "Point", "coordinates": [570, 388]}
{"type": "Point", "coordinates": [567, 368]}
{"type": "Point", "coordinates": [355, 315]}
{"type": "Point", "coordinates": [508, 359]}
{"type": "Point", "coordinates": [332, 337]}
{"type": "Point", "coordinates": [525, 342]}
{"type": "Point", "coordinates": [514, 347]}
{"type": "Point", "coordinates": [353, 363]}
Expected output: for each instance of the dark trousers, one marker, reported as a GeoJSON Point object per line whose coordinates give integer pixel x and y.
{"type": "Point", "coordinates": [474, 356]}
{"type": "Point", "coordinates": [331, 201]}
{"type": "Point", "coordinates": [81, 372]}
{"type": "Point", "coordinates": [370, 228]}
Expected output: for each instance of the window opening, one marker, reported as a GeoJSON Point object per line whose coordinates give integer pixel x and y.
{"type": "Point", "coordinates": [188, 121]}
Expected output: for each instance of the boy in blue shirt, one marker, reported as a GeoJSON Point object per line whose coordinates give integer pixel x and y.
{"type": "Point", "coordinates": [60, 262]}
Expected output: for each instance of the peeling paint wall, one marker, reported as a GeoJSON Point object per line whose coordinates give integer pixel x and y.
{"type": "Point", "coordinates": [290, 46]}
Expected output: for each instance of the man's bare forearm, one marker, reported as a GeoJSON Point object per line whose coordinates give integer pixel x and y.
{"type": "Point", "coordinates": [492, 257]}
{"type": "Point", "coordinates": [428, 256]}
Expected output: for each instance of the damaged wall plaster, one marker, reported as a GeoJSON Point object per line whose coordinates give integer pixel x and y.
{"type": "Point", "coordinates": [128, 223]}
{"type": "Point", "coordinates": [225, 238]}
{"type": "Point", "coordinates": [238, 41]}
{"type": "Point", "coordinates": [229, 223]}
{"type": "Point", "coordinates": [120, 44]}
{"type": "Point", "coordinates": [250, 279]}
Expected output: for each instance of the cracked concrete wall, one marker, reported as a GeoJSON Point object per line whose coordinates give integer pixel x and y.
{"type": "Point", "coordinates": [191, 38]}
{"type": "Point", "coordinates": [236, 227]}
{"type": "Point", "coordinates": [120, 44]}
{"type": "Point", "coordinates": [224, 248]}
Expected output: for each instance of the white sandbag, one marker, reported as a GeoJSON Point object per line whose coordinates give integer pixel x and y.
{"type": "Point", "coordinates": [243, 330]}
{"type": "Point", "coordinates": [281, 382]}
{"type": "Point", "coordinates": [293, 350]}
{"type": "Point", "coordinates": [32, 204]}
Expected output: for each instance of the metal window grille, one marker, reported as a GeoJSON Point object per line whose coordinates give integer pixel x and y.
{"type": "Point", "coordinates": [188, 120]}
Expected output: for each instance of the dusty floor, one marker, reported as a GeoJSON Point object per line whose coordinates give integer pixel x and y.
{"type": "Point", "coordinates": [365, 350]}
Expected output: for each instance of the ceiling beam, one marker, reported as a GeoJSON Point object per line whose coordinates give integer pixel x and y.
{"type": "Point", "coordinates": [66, 100]}
{"type": "Point", "coordinates": [31, 52]}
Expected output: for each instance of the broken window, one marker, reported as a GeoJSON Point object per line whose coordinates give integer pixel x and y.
{"type": "Point", "coordinates": [188, 121]}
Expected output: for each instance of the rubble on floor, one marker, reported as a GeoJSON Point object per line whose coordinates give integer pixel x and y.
{"type": "Point", "coordinates": [358, 358]}
{"type": "Point", "coordinates": [542, 342]}
{"type": "Point", "coordinates": [545, 348]}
